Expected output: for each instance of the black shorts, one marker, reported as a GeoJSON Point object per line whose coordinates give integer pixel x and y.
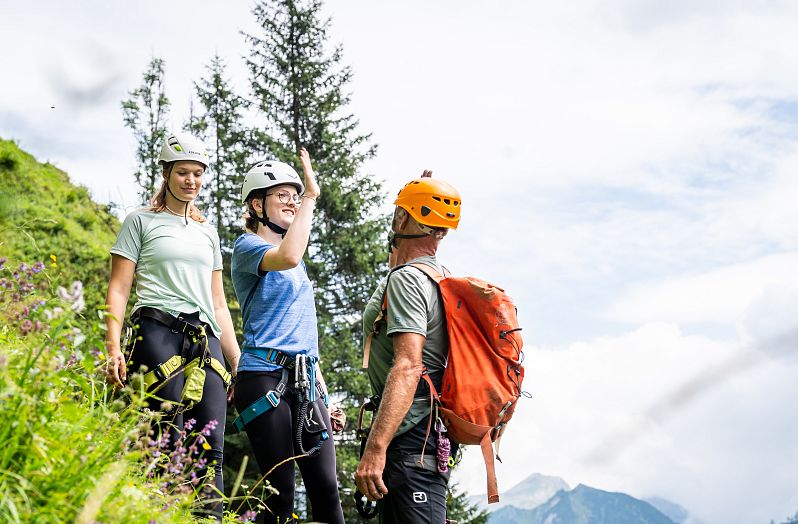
{"type": "Point", "coordinates": [415, 495]}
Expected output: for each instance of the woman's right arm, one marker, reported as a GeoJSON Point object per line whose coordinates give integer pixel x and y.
{"type": "Point", "coordinates": [122, 271]}
{"type": "Point", "coordinates": [290, 251]}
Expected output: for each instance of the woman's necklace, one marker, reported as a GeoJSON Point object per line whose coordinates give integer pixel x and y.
{"type": "Point", "coordinates": [173, 211]}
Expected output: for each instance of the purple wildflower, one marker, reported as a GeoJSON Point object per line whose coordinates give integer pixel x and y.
{"type": "Point", "coordinates": [209, 427]}
{"type": "Point", "coordinates": [26, 327]}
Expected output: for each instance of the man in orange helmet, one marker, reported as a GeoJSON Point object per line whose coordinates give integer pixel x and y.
{"type": "Point", "coordinates": [402, 467]}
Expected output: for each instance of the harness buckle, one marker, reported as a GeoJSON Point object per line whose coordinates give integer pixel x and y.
{"type": "Point", "coordinates": [159, 374]}
{"type": "Point", "coordinates": [273, 399]}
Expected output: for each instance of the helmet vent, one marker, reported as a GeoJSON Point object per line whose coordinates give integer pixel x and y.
{"type": "Point", "coordinates": [456, 203]}
{"type": "Point", "coordinates": [271, 176]}
{"type": "Point", "coordinates": [436, 198]}
{"type": "Point", "coordinates": [447, 201]}
{"type": "Point", "coordinates": [450, 214]}
{"type": "Point", "coordinates": [425, 211]}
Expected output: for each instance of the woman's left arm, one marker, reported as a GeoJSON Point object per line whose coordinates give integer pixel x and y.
{"type": "Point", "coordinates": [229, 343]}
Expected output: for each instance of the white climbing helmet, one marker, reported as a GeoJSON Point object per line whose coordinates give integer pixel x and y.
{"type": "Point", "coordinates": [270, 173]}
{"type": "Point", "coordinates": [182, 146]}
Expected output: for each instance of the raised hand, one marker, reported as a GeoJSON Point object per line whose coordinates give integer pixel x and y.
{"type": "Point", "coordinates": [312, 189]}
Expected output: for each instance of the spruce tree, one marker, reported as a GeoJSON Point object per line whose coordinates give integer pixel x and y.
{"type": "Point", "coordinates": [146, 113]}
{"type": "Point", "coordinates": [299, 89]}
{"type": "Point", "coordinates": [459, 509]}
{"type": "Point", "coordinates": [220, 125]}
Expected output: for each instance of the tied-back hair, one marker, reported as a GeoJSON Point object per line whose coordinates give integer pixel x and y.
{"type": "Point", "coordinates": [158, 202]}
{"type": "Point", "coordinates": [250, 217]}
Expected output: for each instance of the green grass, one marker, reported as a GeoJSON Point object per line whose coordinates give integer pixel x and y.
{"type": "Point", "coordinates": [69, 451]}
{"type": "Point", "coordinates": [43, 214]}
{"type": "Point", "coordinates": [71, 448]}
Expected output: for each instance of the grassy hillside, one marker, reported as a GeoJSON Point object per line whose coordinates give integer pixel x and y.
{"type": "Point", "coordinates": [73, 449]}
{"type": "Point", "coordinates": [43, 214]}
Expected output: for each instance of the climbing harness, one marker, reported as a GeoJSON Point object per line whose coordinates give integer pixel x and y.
{"type": "Point", "coordinates": [307, 418]}
{"type": "Point", "coordinates": [193, 369]}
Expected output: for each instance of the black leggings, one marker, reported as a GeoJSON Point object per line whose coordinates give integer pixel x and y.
{"type": "Point", "coordinates": [272, 438]}
{"type": "Point", "coordinates": [157, 345]}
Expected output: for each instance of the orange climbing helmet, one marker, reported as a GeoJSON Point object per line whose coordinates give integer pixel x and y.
{"type": "Point", "coordinates": [431, 202]}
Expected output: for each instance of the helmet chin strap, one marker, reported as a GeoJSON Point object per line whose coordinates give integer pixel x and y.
{"type": "Point", "coordinates": [268, 223]}
{"type": "Point", "coordinates": [392, 236]}
{"type": "Point", "coordinates": [168, 188]}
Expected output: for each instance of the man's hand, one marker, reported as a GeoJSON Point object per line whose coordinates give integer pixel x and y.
{"type": "Point", "coordinates": [338, 418]}
{"type": "Point", "coordinates": [368, 476]}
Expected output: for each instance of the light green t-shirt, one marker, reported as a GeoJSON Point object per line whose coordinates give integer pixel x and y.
{"type": "Point", "coordinates": [174, 262]}
{"type": "Point", "coordinates": [413, 307]}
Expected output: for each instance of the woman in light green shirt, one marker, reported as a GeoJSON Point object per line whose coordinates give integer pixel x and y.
{"type": "Point", "coordinates": [182, 324]}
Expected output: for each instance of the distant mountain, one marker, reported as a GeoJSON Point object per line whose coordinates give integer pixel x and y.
{"type": "Point", "coordinates": [527, 494]}
{"type": "Point", "coordinates": [583, 505]}
{"type": "Point", "coordinates": [670, 509]}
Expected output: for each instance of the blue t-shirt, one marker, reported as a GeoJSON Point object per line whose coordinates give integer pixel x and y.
{"type": "Point", "coordinates": [277, 307]}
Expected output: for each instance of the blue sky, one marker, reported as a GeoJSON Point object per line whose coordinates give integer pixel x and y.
{"type": "Point", "coordinates": [628, 172]}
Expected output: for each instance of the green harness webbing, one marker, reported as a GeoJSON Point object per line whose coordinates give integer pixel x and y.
{"type": "Point", "coordinates": [169, 367]}
{"type": "Point", "coordinates": [193, 369]}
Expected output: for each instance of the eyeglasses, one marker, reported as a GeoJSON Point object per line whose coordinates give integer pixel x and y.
{"type": "Point", "coordinates": [286, 197]}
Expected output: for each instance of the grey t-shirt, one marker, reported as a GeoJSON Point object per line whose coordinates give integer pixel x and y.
{"type": "Point", "coordinates": [413, 307]}
{"type": "Point", "coordinates": [174, 262]}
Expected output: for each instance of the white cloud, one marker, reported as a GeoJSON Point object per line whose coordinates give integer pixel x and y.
{"type": "Point", "coordinates": [720, 296]}
{"type": "Point", "coordinates": [657, 412]}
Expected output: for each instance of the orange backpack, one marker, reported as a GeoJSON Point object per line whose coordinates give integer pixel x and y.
{"type": "Point", "coordinates": [484, 371]}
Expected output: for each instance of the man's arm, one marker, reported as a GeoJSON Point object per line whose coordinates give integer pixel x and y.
{"type": "Point", "coordinates": [396, 400]}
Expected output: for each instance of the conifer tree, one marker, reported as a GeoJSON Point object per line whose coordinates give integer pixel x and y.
{"type": "Point", "coordinates": [146, 113]}
{"type": "Point", "coordinates": [299, 88]}
{"type": "Point", "coordinates": [459, 509]}
{"type": "Point", "coordinates": [220, 125]}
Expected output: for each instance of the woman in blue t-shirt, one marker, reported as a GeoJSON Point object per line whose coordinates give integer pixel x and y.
{"type": "Point", "coordinates": [279, 392]}
{"type": "Point", "coordinates": [182, 324]}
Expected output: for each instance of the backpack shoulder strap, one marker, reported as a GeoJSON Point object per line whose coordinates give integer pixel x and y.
{"type": "Point", "coordinates": [383, 312]}
{"type": "Point", "coordinates": [429, 270]}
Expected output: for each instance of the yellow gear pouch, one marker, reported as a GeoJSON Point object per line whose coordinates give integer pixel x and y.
{"type": "Point", "coordinates": [192, 390]}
